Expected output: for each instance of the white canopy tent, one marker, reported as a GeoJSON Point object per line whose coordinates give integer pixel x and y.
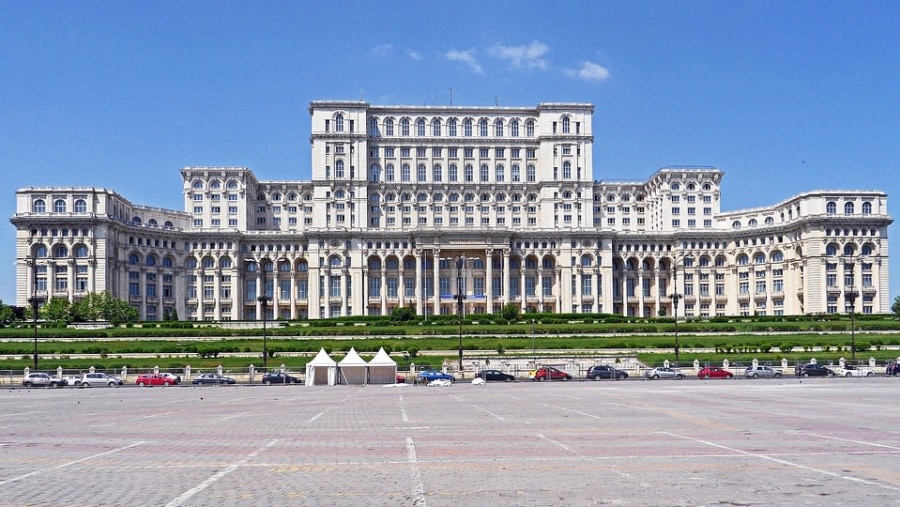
{"type": "Point", "coordinates": [382, 369]}
{"type": "Point", "coordinates": [322, 370]}
{"type": "Point", "coordinates": [352, 369]}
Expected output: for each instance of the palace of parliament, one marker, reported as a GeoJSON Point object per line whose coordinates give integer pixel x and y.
{"type": "Point", "coordinates": [448, 209]}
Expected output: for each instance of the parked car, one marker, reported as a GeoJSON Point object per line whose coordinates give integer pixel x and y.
{"type": "Point", "coordinates": [602, 371]}
{"type": "Point", "coordinates": [893, 369]}
{"type": "Point", "coordinates": [550, 373]}
{"type": "Point", "coordinates": [854, 371]}
{"type": "Point", "coordinates": [400, 379]}
{"type": "Point", "coordinates": [276, 377]}
{"type": "Point", "coordinates": [153, 379]}
{"type": "Point", "coordinates": [432, 375]}
{"type": "Point", "coordinates": [658, 373]}
{"type": "Point", "coordinates": [714, 372]}
{"type": "Point", "coordinates": [813, 370]}
{"type": "Point", "coordinates": [42, 380]}
{"type": "Point", "coordinates": [174, 379]}
{"type": "Point", "coordinates": [97, 380]}
{"type": "Point", "coordinates": [211, 378]}
{"type": "Point", "coordinates": [495, 375]}
{"type": "Point", "coordinates": [762, 371]}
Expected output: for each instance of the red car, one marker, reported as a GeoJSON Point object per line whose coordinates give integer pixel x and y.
{"type": "Point", "coordinates": [153, 379]}
{"type": "Point", "coordinates": [714, 372]}
{"type": "Point", "coordinates": [549, 373]}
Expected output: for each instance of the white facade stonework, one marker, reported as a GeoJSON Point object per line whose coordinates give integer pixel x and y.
{"type": "Point", "coordinates": [412, 205]}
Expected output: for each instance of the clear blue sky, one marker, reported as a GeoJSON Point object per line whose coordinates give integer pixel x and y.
{"type": "Point", "coordinates": [785, 97]}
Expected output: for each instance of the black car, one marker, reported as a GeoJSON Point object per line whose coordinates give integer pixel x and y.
{"type": "Point", "coordinates": [602, 371]}
{"type": "Point", "coordinates": [276, 377]}
{"type": "Point", "coordinates": [813, 370]}
{"type": "Point", "coordinates": [211, 378]}
{"type": "Point", "coordinates": [495, 375]}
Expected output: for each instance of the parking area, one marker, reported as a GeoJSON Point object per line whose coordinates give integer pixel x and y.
{"type": "Point", "coordinates": [823, 441]}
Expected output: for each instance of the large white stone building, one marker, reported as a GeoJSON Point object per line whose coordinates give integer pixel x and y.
{"type": "Point", "coordinates": [413, 205]}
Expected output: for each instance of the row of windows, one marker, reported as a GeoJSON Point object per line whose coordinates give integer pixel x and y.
{"type": "Point", "coordinates": [437, 152]}
{"type": "Point", "coordinates": [59, 206]}
{"type": "Point", "coordinates": [453, 128]}
{"type": "Point", "coordinates": [451, 197]}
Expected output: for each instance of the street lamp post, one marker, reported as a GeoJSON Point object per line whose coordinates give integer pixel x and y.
{"type": "Point", "coordinates": [850, 296]}
{"type": "Point", "coordinates": [263, 301]}
{"type": "Point", "coordinates": [460, 296]}
{"type": "Point", "coordinates": [533, 350]}
{"type": "Point", "coordinates": [675, 298]}
{"type": "Point", "coordinates": [35, 306]}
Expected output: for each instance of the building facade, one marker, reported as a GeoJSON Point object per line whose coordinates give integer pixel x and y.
{"type": "Point", "coordinates": [450, 209]}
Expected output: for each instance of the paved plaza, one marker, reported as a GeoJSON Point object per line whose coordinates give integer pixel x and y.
{"type": "Point", "coordinates": [690, 442]}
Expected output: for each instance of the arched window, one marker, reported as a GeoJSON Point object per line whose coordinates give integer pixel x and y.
{"type": "Point", "coordinates": [389, 173]}
{"type": "Point", "coordinates": [437, 174]}
{"type": "Point", "coordinates": [743, 260]}
{"type": "Point", "coordinates": [208, 262]}
{"type": "Point", "coordinates": [134, 260]}
{"type": "Point", "coordinates": [167, 262]}
{"type": "Point", "coordinates": [191, 263]}
{"type": "Point", "coordinates": [375, 264]}
{"type": "Point", "coordinates": [760, 258]}
{"type": "Point", "coordinates": [848, 208]}
{"type": "Point", "coordinates": [484, 173]}
{"type": "Point", "coordinates": [404, 172]}
{"type": "Point", "coordinates": [436, 127]}
{"type": "Point", "coordinates": [39, 206]}
{"type": "Point", "coordinates": [736, 224]}
{"type": "Point", "coordinates": [339, 123]}
{"type": "Point", "coordinates": [467, 127]}
{"type": "Point", "coordinates": [565, 125]}
{"type": "Point", "coordinates": [867, 208]}
{"type": "Point", "coordinates": [516, 173]}
{"type": "Point", "coordinates": [232, 185]}
{"type": "Point", "coordinates": [225, 262]}
{"type": "Point", "coordinates": [198, 185]}
{"type": "Point", "coordinates": [831, 250]}
{"type": "Point", "coordinates": [151, 260]}
{"type": "Point", "coordinates": [81, 251]}
{"type": "Point", "coordinates": [751, 223]}
{"type": "Point", "coordinates": [389, 127]}
{"type": "Point", "coordinates": [777, 256]}
{"type": "Point", "coordinates": [514, 128]}
{"type": "Point", "coordinates": [303, 267]}
{"type": "Point", "coordinates": [500, 173]}
{"type": "Point", "coordinates": [451, 128]}
{"type": "Point", "coordinates": [420, 127]}
{"type": "Point", "coordinates": [498, 128]}
{"type": "Point", "coordinates": [374, 173]}
{"type": "Point", "coordinates": [404, 127]}
{"type": "Point", "coordinates": [60, 251]}
{"type": "Point", "coordinates": [59, 206]}
{"type": "Point", "coordinates": [831, 208]}
{"type": "Point", "coordinates": [483, 128]}
{"type": "Point", "coordinates": [80, 206]}
{"type": "Point", "coordinates": [529, 128]}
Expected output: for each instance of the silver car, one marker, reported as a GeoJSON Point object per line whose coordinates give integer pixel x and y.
{"type": "Point", "coordinates": [98, 380]}
{"type": "Point", "coordinates": [658, 373]}
{"type": "Point", "coordinates": [762, 371]}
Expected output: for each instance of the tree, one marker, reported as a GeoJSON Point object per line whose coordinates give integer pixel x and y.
{"type": "Point", "coordinates": [7, 314]}
{"type": "Point", "coordinates": [895, 308]}
{"type": "Point", "coordinates": [510, 312]}
{"type": "Point", "coordinates": [57, 310]}
{"type": "Point", "coordinates": [89, 308]}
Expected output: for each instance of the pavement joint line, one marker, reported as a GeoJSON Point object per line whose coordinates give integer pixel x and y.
{"type": "Point", "coordinates": [488, 412]}
{"type": "Point", "coordinates": [18, 413]}
{"type": "Point", "coordinates": [320, 414]}
{"type": "Point", "coordinates": [783, 462]}
{"type": "Point", "coordinates": [893, 447]}
{"type": "Point", "coordinates": [180, 499]}
{"type": "Point", "coordinates": [418, 485]}
{"type": "Point", "coordinates": [235, 416]}
{"type": "Point", "coordinates": [151, 416]}
{"type": "Point", "coordinates": [70, 463]}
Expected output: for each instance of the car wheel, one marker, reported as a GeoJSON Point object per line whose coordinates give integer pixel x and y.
{"type": "Point", "coordinates": [166, 383]}
{"type": "Point", "coordinates": [679, 377]}
{"type": "Point", "coordinates": [831, 374]}
{"type": "Point", "coordinates": [755, 375]}
{"type": "Point", "coordinates": [655, 377]}
{"type": "Point", "coordinates": [777, 375]}
{"type": "Point", "coordinates": [870, 374]}
{"type": "Point", "coordinates": [804, 374]}
{"type": "Point", "coordinates": [847, 375]}
{"type": "Point", "coordinates": [729, 376]}
{"type": "Point", "coordinates": [541, 379]}
{"type": "Point", "coordinates": [267, 382]}
{"type": "Point", "coordinates": [140, 384]}
{"type": "Point", "coordinates": [705, 376]}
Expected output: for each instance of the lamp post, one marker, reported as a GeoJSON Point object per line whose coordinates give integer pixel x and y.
{"type": "Point", "coordinates": [35, 306]}
{"type": "Point", "coordinates": [263, 301]}
{"type": "Point", "coordinates": [460, 296]}
{"type": "Point", "coordinates": [533, 349]}
{"type": "Point", "coordinates": [675, 298]}
{"type": "Point", "coordinates": [850, 296]}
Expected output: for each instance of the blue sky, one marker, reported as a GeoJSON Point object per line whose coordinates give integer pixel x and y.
{"type": "Point", "coordinates": [785, 97]}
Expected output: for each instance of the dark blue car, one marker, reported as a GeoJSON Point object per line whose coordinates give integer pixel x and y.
{"type": "Point", "coordinates": [429, 375]}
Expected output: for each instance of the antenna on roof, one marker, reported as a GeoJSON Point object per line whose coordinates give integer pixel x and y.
{"type": "Point", "coordinates": [496, 101]}
{"type": "Point", "coordinates": [362, 96]}
{"type": "Point", "coordinates": [451, 95]}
